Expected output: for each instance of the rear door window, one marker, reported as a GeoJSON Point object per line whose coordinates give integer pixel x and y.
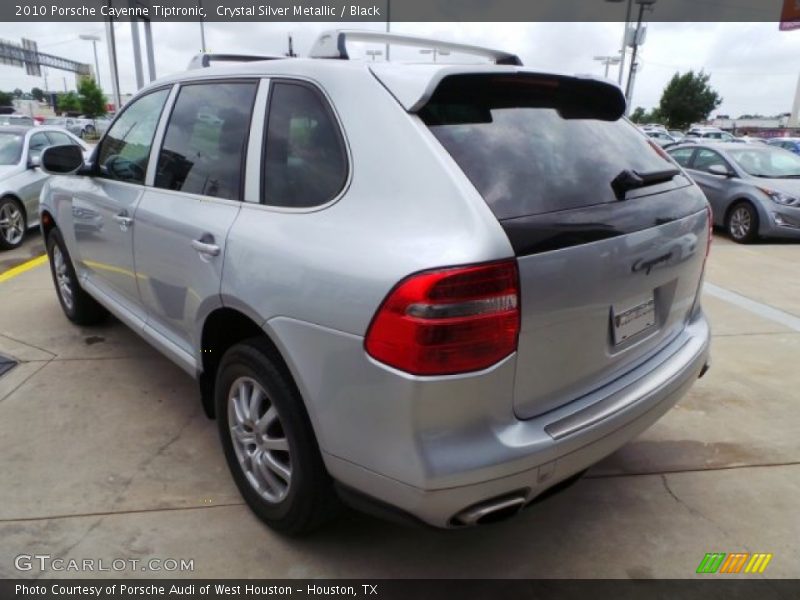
{"type": "Point", "coordinates": [60, 139]}
{"type": "Point", "coordinates": [706, 158]}
{"type": "Point", "coordinates": [39, 141]}
{"type": "Point", "coordinates": [305, 163]}
{"type": "Point", "coordinates": [682, 156]}
{"type": "Point", "coordinates": [530, 148]}
{"type": "Point", "coordinates": [204, 146]}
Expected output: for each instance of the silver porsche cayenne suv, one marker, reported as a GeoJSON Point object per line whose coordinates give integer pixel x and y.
{"type": "Point", "coordinates": [431, 291]}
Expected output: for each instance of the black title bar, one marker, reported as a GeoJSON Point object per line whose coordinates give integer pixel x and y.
{"type": "Point", "coordinates": [388, 10]}
{"type": "Point", "coordinates": [706, 588]}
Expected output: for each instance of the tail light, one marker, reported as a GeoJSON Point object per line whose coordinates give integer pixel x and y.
{"type": "Point", "coordinates": [448, 321]}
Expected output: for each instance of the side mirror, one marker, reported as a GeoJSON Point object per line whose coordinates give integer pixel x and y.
{"type": "Point", "coordinates": [62, 160]}
{"type": "Point", "coordinates": [719, 170]}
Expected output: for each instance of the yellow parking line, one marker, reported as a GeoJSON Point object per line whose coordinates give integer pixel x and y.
{"type": "Point", "coordinates": [20, 269]}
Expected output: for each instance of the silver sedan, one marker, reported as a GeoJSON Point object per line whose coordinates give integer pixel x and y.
{"type": "Point", "coordinates": [21, 179]}
{"type": "Point", "coordinates": [754, 189]}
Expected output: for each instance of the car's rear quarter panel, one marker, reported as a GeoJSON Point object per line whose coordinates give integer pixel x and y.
{"type": "Point", "coordinates": [314, 279]}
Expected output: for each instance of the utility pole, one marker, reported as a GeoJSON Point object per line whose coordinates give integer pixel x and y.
{"type": "Point", "coordinates": [202, 29]}
{"type": "Point", "coordinates": [388, 24]}
{"type": "Point", "coordinates": [111, 42]}
{"type": "Point", "coordinates": [623, 51]}
{"type": "Point", "coordinates": [636, 42]}
{"type": "Point", "coordinates": [137, 54]}
{"type": "Point", "coordinates": [91, 37]}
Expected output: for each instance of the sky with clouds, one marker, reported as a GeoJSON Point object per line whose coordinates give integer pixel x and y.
{"type": "Point", "coordinates": [754, 66]}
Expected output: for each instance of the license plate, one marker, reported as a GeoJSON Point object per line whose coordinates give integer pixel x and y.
{"type": "Point", "coordinates": [633, 320]}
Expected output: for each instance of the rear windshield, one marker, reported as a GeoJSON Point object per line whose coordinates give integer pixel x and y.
{"type": "Point", "coordinates": [536, 146]}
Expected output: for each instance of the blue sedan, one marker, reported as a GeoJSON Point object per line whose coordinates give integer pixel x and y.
{"type": "Point", "coordinates": [787, 143]}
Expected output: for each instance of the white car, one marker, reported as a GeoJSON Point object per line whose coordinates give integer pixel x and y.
{"type": "Point", "coordinates": [21, 179]}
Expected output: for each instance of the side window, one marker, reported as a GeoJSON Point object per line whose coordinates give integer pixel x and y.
{"type": "Point", "coordinates": [206, 140]}
{"type": "Point", "coordinates": [38, 143]}
{"type": "Point", "coordinates": [682, 156]}
{"type": "Point", "coordinates": [305, 163]}
{"type": "Point", "coordinates": [124, 152]}
{"type": "Point", "coordinates": [60, 139]}
{"type": "Point", "coordinates": [706, 158]}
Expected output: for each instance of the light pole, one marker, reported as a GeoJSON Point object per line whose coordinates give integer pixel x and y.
{"type": "Point", "coordinates": [636, 42]}
{"type": "Point", "coordinates": [435, 51]}
{"type": "Point", "coordinates": [624, 49]}
{"type": "Point", "coordinates": [91, 37]}
{"type": "Point", "coordinates": [202, 29]}
{"type": "Point", "coordinates": [608, 61]}
{"type": "Point", "coordinates": [388, 25]}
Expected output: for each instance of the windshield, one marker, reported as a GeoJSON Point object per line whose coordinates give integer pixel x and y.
{"type": "Point", "coordinates": [52, 121]}
{"type": "Point", "coordinates": [10, 148]}
{"type": "Point", "coordinates": [767, 162]}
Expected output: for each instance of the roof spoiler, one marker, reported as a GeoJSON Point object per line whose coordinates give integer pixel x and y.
{"type": "Point", "coordinates": [203, 59]}
{"type": "Point", "coordinates": [333, 44]}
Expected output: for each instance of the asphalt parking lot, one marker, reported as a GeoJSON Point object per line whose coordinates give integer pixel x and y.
{"type": "Point", "coordinates": [106, 454]}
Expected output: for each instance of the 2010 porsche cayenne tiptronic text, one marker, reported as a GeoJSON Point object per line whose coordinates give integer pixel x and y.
{"type": "Point", "coordinates": [433, 291]}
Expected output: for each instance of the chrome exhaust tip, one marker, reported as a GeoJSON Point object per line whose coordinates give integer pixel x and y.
{"type": "Point", "coordinates": [490, 511]}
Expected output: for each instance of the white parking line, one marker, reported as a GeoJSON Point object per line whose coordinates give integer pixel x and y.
{"type": "Point", "coordinates": [762, 310]}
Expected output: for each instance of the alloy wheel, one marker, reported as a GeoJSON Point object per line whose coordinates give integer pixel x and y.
{"type": "Point", "coordinates": [12, 223]}
{"type": "Point", "coordinates": [741, 222]}
{"type": "Point", "coordinates": [259, 440]}
{"type": "Point", "coordinates": [63, 278]}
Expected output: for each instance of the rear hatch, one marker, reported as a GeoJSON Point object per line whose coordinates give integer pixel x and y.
{"type": "Point", "coordinates": [610, 235]}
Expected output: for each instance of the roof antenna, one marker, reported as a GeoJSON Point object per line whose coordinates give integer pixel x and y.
{"type": "Point", "coordinates": [291, 53]}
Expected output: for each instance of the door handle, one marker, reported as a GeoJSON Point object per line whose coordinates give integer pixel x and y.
{"type": "Point", "coordinates": [204, 247]}
{"type": "Point", "coordinates": [124, 220]}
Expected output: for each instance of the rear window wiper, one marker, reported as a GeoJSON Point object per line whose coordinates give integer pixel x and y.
{"type": "Point", "coordinates": [629, 179]}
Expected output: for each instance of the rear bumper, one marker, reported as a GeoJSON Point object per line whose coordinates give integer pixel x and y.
{"type": "Point", "coordinates": [528, 457]}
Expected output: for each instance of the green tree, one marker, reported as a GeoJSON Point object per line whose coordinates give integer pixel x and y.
{"type": "Point", "coordinates": [687, 99]}
{"type": "Point", "coordinates": [6, 99]}
{"type": "Point", "coordinates": [37, 94]}
{"type": "Point", "coordinates": [92, 99]}
{"type": "Point", "coordinates": [640, 115]}
{"type": "Point", "coordinates": [69, 102]}
{"type": "Point", "coordinates": [17, 93]}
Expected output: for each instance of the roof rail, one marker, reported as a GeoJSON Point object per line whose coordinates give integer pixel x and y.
{"type": "Point", "coordinates": [332, 44]}
{"type": "Point", "coordinates": [203, 60]}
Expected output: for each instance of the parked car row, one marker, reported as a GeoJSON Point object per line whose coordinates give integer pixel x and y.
{"type": "Point", "coordinates": [83, 127]}
{"type": "Point", "coordinates": [21, 178]}
{"type": "Point", "coordinates": [669, 138]}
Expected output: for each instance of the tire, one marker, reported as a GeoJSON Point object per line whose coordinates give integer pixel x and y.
{"type": "Point", "coordinates": [272, 452]}
{"type": "Point", "coordinates": [13, 223]}
{"type": "Point", "coordinates": [742, 223]}
{"type": "Point", "coordinates": [79, 306]}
